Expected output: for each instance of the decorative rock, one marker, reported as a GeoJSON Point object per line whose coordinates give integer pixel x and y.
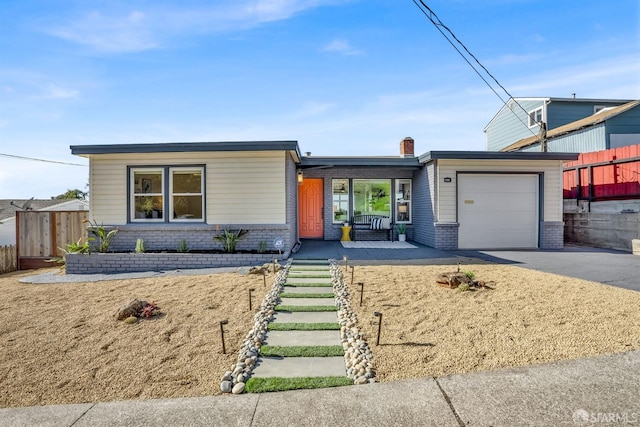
{"type": "Point", "coordinates": [225, 386]}
{"type": "Point", "coordinates": [360, 380]}
{"type": "Point", "coordinates": [227, 376]}
{"type": "Point", "coordinates": [238, 388]}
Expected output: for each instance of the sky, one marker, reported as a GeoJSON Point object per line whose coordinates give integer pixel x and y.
{"type": "Point", "coordinates": [342, 77]}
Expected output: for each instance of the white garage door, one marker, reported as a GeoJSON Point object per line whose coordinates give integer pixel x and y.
{"type": "Point", "coordinates": [497, 211]}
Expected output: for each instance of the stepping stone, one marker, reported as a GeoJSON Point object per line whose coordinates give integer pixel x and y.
{"type": "Point", "coordinates": [297, 367]}
{"type": "Point", "coordinates": [310, 262]}
{"type": "Point", "coordinates": [306, 317]}
{"type": "Point", "coordinates": [308, 289]}
{"type": "Point", "coordinates": [309, 268]}
{"type": "Point", "coordinates": [291, 338]}
{"type": "Point", "coordinates": [294, 280]}
{"type": "Point", "coordinates": [309, 274]}
{"type": "Point", "coordinates": [307, 301]}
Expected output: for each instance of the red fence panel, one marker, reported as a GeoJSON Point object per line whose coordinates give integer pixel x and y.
{"type": "Point", "coordinates": [604, 175]}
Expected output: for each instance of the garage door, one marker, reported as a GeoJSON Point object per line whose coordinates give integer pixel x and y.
{"type": "Point", "coordinates": [497, 211]}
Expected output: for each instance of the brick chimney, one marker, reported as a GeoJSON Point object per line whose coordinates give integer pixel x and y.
{"type": "Point", "coordinates": [406, 147]}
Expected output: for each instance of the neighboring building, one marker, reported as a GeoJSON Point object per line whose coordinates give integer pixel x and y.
{"type": "Point", "coordinates": [572, 124]}
{"type": "Point", "coordinates": [8, 210]}
{"type": "Point", "coordinates": [164, 193]}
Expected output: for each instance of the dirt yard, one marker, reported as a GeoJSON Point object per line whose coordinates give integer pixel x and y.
{"type": "Point", "coordinates": [529, 317]}
{"type": "Point", "coordinates": [59, 343]}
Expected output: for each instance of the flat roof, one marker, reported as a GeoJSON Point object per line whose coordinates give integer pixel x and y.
{"type": "Point", "coordinates": [359, 161]}
{"type": "Point", "coordinates": [496, 155]}
{"type": "Point", "coordinates": [182, 147]}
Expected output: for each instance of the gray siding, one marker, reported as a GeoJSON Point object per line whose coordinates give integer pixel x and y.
{"type": "Point", "coordinates": [581, 141]}
{"type": "Point", "coordinates": [625, 123]}
{"type": "Point", "coordinates": [291, 183]}
{"type": "Point", "coordinates": [562, 112]}
{"type": "Point", "coordinates": [423, 206]}
{"type": "Point", "coordinates": [505, 128]}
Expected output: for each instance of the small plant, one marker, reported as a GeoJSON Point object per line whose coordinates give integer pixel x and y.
{"type": "Point", "coordinates": [470, 275]}
{"type": "Point", "coordinates": [72, 248]}
{"type": "Point", "coordinates": [139, 246]}
{"type": "Point", "coordinates": [262, 246]}
{"type": "Point", "coordinates": [230, 239]}
{"type": "Point", "coordinates": [463, 287]}
{"type": "Point", "coordinates": [401, 228]}
{"type": "Point", "coordinates": [103, 236]}
{"type": "Point", "coordinates": [182, 247]}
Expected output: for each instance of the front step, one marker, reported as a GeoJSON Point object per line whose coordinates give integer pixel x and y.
{"type": "Point", "coordinates": [305, 317]}
{"type": "Point", "coordinates": [298, 338]}
{"type": "Point", "coordinates": [299, 367]}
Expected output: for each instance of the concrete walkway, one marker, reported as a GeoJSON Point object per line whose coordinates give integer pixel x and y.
{"type": "Point", "coordinates": [594, 391]}
{"type": "Point", "coordinates": [302, 274]}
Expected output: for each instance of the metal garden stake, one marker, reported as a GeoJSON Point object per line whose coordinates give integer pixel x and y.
{"type": "Point", "coordinates": [222, 323]}
{"type": "Point", "coordinates": [264, 277]}
{"type": "Point", "coordinates": [250, 290]}
{"type": "Point", "coordinates": [345, 259]}
{"type": "Point", "coordinates": [379, 316]}
{"type": "Point", "coordinates": [352, 268]}
{"type": "Point", "coordinates": [361, 284]}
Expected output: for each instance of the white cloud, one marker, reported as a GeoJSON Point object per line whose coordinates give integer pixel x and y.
{"type": "Point", "coordinates": [54, 91]}
{"type": "Point", "coordinates": [120, 33]}
{"type": "Point", "coordinates": [135, 30]}
{"type": "Point", "coordinates": [342, 47]}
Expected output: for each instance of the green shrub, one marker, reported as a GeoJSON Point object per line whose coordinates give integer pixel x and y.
{"type": "Point", "coordinates": [103, 236]}
{"type": "Point", "coordinates": [182, 247]}
{"type": "Point", "coordinates": [139, 246]}
{"type": "Point", "coordinates": [230, 239]}
{"type": "Point", "coordinates": [262, 246]}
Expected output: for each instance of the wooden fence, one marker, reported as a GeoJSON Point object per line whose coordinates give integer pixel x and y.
{"type": "Point", "coordinates": [8, 259]}
{"type": "Point", "coordinates": [40, 235]}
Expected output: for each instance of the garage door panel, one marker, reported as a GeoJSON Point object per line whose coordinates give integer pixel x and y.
{"type": "Point", "coordinates": [497, 211]}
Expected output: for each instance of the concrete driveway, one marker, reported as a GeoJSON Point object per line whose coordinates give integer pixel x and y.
{"type": "Point", "coordinates": [610, 267]}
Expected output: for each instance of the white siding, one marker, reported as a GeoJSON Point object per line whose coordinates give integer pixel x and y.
{"type": "Point", "coordinates": [552, 190]}
{"type": "Point", "coordinates": [241, 187]}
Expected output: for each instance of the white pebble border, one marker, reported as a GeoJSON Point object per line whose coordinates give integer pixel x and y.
{"type": "Point", "coordinates": [233, 381]}
{"type": "Point", "coordinates": [357, 354]}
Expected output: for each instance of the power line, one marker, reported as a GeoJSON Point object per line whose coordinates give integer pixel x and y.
{"type": "Point", "coordinates": [13, 156]}
{"type": "Point", "coordinates": [435, 20]}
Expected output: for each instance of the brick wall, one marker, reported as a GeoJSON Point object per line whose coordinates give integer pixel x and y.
{"type": "Point", "coordinates": [551, 235]}
{"type": "Point", "coordinates": [198, 236]}
{"type": "Point", "coordinates": [131, 262]}
{"type": "Point", "coordinates": [446, 235]}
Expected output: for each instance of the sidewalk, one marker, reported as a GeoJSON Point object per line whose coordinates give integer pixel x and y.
{"type": "Point", "coordinates": [603, 389]}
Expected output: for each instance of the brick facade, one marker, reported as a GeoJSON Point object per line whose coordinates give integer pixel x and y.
{"type": "Point", "coordinates": [111, 263]}
{"type": "Point", "coordinates": [551, 235]}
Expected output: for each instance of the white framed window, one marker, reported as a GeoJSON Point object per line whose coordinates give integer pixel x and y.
{"type": "Point", "coordinates": [340, 200]}
{"type": "Point", "coordinates": [535, 117]}
{"type": "Point", "coordinates": [186, 199]}
{"type": "Point", "coordinates": [166, 194]}
{"type": "Point", "coordinates": [147, 195]}
{"type": "Point", "coordinates": [403, 200]}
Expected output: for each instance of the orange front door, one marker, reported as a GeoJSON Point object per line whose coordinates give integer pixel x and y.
{"type": "Point", "coordinates": [310, 204]}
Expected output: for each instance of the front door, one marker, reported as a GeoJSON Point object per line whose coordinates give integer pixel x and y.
{"type": "Point", "coordinates": [310, 205]}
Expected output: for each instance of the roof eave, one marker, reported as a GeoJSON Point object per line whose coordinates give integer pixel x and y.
{"type": "Point", "coordinates": [495, 155]}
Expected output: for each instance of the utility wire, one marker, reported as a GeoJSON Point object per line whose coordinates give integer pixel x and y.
{"type": "Point", "coordinates": [435, 20]}
{"type": "Point", "coordinates": [13, 156]}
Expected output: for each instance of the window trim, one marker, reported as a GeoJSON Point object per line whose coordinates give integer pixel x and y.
{"type": "Point", "coordinates": [133, 194]}
{"type": "Point", "coordinates": [398, 182]}
{"type": "Point", "coordinates": [348, 194]}
{"type": "Point", "coordinates": [533, 123]}
{"type": "Point", "coordinates": [167, 202]}
{"type": "Point", "coordinates": [171, 194]}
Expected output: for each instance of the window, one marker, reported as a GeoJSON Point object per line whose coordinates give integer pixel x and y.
{"type": "Point", "coordinates": [186, 194]}
{"type": "Point", "coordinates": [151, 197]}
{"type": "Point", "coordinates": [340, 197]}
{"type": "Point", "coordinates": [403, 200]}
{"type": "Point", "coordinates": [147, 194]}
{"type": "Point", "coordinates": [535, 117]}
{"type": "Point", "coordinates": [372, 197]}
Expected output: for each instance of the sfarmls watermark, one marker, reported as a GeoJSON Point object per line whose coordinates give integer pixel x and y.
{"type": "Point", "coordinates": [583, 417]}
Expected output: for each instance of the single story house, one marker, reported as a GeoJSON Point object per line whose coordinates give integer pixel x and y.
{"type": "Point", "coordinates": [168, 192]}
